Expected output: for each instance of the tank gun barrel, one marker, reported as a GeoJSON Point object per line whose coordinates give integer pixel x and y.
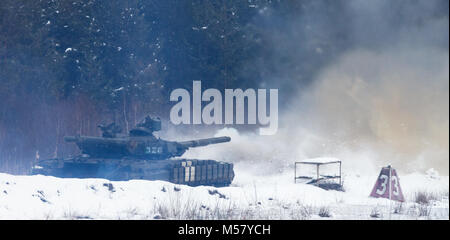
{"type": "Point", "coordinates": [205, 142]}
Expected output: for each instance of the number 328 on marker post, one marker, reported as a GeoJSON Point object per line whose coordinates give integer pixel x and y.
{"type": "Point", "coordinates": [382, 186]}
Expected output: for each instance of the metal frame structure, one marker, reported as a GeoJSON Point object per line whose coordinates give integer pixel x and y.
{"type": "Point", "coordinates": [318, 176]}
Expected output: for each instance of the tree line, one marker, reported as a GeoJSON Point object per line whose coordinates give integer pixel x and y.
{"type": "Point", "coordinates": [66, 66]}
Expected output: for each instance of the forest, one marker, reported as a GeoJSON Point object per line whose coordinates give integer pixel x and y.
{"type": "Point", "coordinates": [68, 65]}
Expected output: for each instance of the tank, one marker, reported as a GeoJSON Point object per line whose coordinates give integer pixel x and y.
{"type": "Point", "coordinates": [138, 155]}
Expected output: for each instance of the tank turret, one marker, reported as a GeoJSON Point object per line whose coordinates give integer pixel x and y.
{"type": "Point", "coordinates": [139, 154]}
{"type": "Point", "coordinates": [147, 147]}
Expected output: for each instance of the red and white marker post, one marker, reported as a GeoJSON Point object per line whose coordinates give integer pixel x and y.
{"type": "Point", "coordinates": [388, 186]}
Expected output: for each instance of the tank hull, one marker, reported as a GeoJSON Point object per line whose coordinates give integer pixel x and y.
{"type": "Point", "coordinates": [192, 172]}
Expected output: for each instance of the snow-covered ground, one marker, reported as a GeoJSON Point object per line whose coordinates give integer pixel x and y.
{"type": "Point", "coordinates": [250, 196]}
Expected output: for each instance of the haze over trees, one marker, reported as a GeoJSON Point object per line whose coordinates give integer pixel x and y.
{"type": "Point", "coordinates": [66, 66]}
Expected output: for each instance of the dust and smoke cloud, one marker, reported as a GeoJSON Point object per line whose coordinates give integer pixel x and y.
{"type": "Point", "coordinates": [383, 100]}
{"type": "Point", "coordinates": [393, 103]}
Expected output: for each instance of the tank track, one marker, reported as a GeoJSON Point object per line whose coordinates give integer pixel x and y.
{"type": "Point", "coordinates": [192, 172]}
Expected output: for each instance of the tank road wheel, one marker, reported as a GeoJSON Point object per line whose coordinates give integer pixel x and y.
{"type": "Point", "coordinates": [202, 172]}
